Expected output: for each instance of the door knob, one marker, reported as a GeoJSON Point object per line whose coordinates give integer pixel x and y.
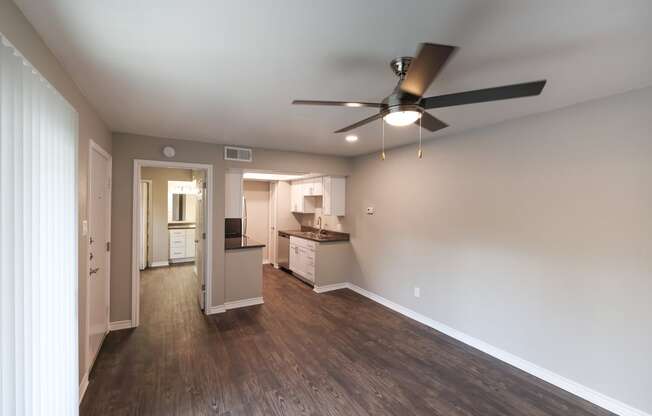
{"type": "Point", "coordinates": [94, 270]}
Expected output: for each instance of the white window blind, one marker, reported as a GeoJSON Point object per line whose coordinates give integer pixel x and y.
{"type": "Point", "coordinates": [38, 243]}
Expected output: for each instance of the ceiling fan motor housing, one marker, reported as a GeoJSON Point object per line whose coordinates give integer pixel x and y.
{"type": "Point", "coordinates": [401, 65]}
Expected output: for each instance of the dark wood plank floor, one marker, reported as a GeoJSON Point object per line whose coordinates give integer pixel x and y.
{"type": "Point", "coordinates": [300, 353]}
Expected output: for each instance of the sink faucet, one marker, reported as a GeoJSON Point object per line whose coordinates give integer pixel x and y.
{"type": "Point", "coordinates": [321, 230]}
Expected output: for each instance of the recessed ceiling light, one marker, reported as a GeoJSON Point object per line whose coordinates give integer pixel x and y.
{"type": "Point", "coordinates": [351, 138]}
{"type": "Point", "coordinates": [353, 105]}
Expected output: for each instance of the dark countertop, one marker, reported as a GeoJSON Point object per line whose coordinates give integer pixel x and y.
{"type": "Point", "coordinates": [309, 233]}
{"type": "Point", "coordinates": [236, 243]}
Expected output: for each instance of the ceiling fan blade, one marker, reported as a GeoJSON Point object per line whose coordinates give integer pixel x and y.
{"type": "Point", "coordinates": [337, 103]}
{"type": "Point", "coordinates": [359, 123]}
{"type": "Point", "coordinates": [526, 89]}
{"type": "Point", "coordinates": [430, 122]}
{"type": "Point", "coordinates": [430, 59]}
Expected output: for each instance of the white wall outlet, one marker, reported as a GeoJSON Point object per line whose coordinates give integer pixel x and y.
{"type": "Point", "coordinates": [417, 292]}
{"type": "Point", "coordinates": [371, 210]}
{"type": "Point", "coordinates": [84, 228]}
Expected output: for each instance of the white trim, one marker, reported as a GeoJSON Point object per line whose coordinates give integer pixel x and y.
{"type": "Point", "coordinates": [183, 260]}
{"type": "Point", "coordinates": [94, 147]}
{"type": "Point", "coordinates": [163, 263]}
{"type": "Point", "coordinates": [212, 310]}
{"type": "Point", "coordinates": [118, 325]}
{"type": "Point", "coordinates": [328, 288]}
{"type": "Point", "coordinates": [83, 386]}
{"type": "Point", "coordinates": [150, 225]}
{"type": "Point", "coordinates": [243, 303]}
{"type": "Point", "coordinates": [570, 386]}
{"type": "Point", "coordinates": [135, 229]}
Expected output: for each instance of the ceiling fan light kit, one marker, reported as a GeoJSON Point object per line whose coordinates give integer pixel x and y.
{"type": "Point", "coordinates": [406, 104]}
{"type": "Point", "coordinates": [402, 117]}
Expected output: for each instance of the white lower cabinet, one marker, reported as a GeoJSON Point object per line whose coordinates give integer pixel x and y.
{"type": "Point", "coordinates": [182, 244]}
{"type": "Point", "coordinates": [302, 257]}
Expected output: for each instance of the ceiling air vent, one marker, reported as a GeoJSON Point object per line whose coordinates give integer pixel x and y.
{"type": "Point", "coordinates": [239, 154]}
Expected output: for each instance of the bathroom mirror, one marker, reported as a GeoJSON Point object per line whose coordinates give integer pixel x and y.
{"type": "Point", "coordinates": [182, 208]}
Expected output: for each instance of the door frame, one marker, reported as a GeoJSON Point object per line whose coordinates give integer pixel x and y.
{"type": "Point", "coordinates": [94, 147]}
{"type": "Point", "coordinates": [272, 226]}
{"type": "Point", "coordinates": [149, 219]}
{"type": "Point", "coordinates": [136, 227]}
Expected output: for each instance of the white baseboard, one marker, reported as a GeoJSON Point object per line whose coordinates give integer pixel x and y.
{"type": "Point", "coordinates": [243, 303]}
{"type": "Point", "coordinates": [570, 386]}
{"type": "Point", "coordinates": [82, 387]}
{"type": "Point", "coordinates": [181, 260]}
{"type": "Point", "coordinates": [118, 325]}
{"type": "Point", "coordinates": [159, 264]}
{"type": "Point", "coordinates": [211, 310]}
{"type": "Point", "coordinates": [328, 288]}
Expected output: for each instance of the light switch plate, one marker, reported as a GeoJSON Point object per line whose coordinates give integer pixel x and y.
{"type": "Point", "coordinates": [371, 210]}
{"type": "Point", "coordinates": [417, 292]}
{"type": "Point", "coordinates": [84, 228]}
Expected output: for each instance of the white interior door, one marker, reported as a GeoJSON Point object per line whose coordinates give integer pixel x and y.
{"type": "Point", "coordinates": [200, 231]}
{"type": "Point", "coordinates": [99, 232]}
{"type": "Point", "coordinates": [272, 224]}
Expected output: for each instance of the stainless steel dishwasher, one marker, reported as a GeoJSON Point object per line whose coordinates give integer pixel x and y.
{"type": "Point", "coordinates": [283, 250]}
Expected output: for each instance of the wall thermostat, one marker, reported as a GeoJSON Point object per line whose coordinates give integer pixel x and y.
{"type": "Point", "coordinates": [370, 210]}
{"type": "Point", "coordinates": [168, 151]}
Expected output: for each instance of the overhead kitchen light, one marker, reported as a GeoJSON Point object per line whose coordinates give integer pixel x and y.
{"type": "Point", "coordinates": [353, 104]}
{"type": "Point", "coordinates": [262, 176]}
{"type": "Point", "coordinates": [351, 138]}
{"type": "Point", "coordinates": [402, 118]}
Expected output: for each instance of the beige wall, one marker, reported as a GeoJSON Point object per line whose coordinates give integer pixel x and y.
{"type": "Point", "coordinates": [23, 36]}
{"type": "Point", "coordinates": [532, 235]}
{"type": "Point", "coordinates": [127, 147]}
{"type": "Point", "coordinates": [160, 236]}
{"type": "Point", "coordinates": [257, 195]}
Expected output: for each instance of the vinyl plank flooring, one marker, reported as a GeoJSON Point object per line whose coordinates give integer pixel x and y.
{"type": "Point", "coordinates": [301, 353]}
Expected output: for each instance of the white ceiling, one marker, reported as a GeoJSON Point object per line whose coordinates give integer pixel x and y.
{"type": "Point", "coordinates": [226, 71]}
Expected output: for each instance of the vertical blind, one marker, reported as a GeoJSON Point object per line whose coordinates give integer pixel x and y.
{"type": "Point", "coordinates": [38, 243]}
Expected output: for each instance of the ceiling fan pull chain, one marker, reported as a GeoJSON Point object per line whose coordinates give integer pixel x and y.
{"type": "Point", "coordinates": [420, 152]}
{"type": "Point", "coordinates": [382, 154]}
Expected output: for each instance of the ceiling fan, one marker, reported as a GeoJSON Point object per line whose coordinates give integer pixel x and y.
{"type": "Point", "coordinates": [406, 104]}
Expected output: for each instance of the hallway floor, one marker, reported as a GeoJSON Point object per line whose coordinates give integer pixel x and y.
{"type": "Point", "coordinates": [300, 353]}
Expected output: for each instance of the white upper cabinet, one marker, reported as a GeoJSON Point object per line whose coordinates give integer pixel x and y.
{"type": "Point", "coordinates": [334, 196]}
{"type": "Point", "coordinates": [233, 194]}
{"type": "Point", "coordinates": [313, 187]}
{"type": "Point", "coordinates": [301, 204]}
{"type": "Point", "coordinates": [331, 189]}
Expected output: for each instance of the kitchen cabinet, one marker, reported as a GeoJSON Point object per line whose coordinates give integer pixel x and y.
{"type": "Point", "coordinates": [321, 263]}
{"type": "Point", "coordinates": [302, 258]}
{"type": "Point", "coordinates": [313, 187]}
{"type": "Point", "coordinates": [182, 244]}
{"type": "Point", "coordinates": [300, 204]}
{"type": "Point", "coordinates": [233, 194]}
{"type": "Point", "coordinates": [334, 195]}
